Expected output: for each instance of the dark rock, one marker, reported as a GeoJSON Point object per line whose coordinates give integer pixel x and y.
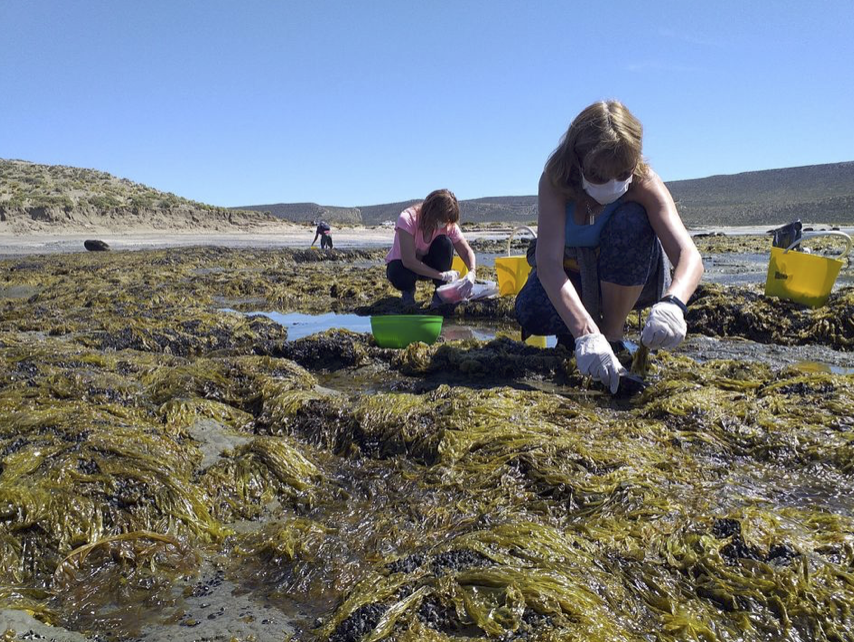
{"type": "Point", "coordinates": [407, 564]}
{"type": "Point", "coordinates": [724, 528]}
{"type": "Point", "coordinates": [781, 554]}
{"type": "Point", "coordinates": [96, 246]}
{"type": "Point", "coordinates": [438, 616]}
{"type": "Point", "coordinates": [359, 623]}
{"type": "Point", "coordinates": [739, 549]}
{"type": "Point", "coordinates": [457, 560]}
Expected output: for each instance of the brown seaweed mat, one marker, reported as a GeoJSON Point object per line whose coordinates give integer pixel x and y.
{"type": "Point", "coordinates": [165, 465]}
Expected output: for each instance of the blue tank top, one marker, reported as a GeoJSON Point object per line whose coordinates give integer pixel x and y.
{"type": "Point", "coordinates": [587, 235]}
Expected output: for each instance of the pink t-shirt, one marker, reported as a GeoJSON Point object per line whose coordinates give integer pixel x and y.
{"type": "Point", "coordinates": [408, 222]}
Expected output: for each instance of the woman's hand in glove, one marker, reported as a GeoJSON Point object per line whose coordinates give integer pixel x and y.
{"type": "Point", "coordinates": [467, 285]}
{"type": "Point", "coordinates": [665, 327]}
{"type": "Point", "coordinates": [595, 358]}
{"type": "Point", "coordinates": [450, 276]}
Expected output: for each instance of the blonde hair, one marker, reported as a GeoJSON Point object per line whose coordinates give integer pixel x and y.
{"type": "Point", "coordinates": [604, 140]}
{"type": "Point", "coordinates": [438, 209]}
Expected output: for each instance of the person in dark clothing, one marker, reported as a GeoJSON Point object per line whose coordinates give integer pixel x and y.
{"type": "Point", "coordinates": [323, 231]}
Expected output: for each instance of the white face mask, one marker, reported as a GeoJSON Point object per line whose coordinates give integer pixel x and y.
{"type": "Point", "coordinates": [604, 193]}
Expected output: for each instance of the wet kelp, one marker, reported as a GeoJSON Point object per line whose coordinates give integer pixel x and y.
{"type": "Point", "coordinates": [745, 312]}
{"type": "Point", "coordinates": [465, 490]}
{"type": "Point", "coordinates": [103, 463]}
{"type": "Point", "coordinates": [609, 527]}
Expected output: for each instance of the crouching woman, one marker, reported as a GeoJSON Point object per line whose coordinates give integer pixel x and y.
{"type": "Point", "coordinates": [601, 204]}
{"type": "Point", "coordinates": [426, 236]}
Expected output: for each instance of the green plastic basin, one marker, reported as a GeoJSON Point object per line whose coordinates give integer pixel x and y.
{"type": "Point", "coordinates": [399, 330]}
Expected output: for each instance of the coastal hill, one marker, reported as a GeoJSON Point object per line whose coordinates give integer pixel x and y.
{"type": "Point", "coordinates": [38, 198]}
{"type": "Point", "coordinates": [42, 198]}
{"type": "Point", "coordinates": [815, 193]}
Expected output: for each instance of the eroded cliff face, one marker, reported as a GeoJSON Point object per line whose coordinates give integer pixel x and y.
{"type": "Point", "coordinates": [23, 220]}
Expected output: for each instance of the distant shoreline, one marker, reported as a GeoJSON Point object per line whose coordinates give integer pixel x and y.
{"type": "Point", "coordinates": [288, 236]}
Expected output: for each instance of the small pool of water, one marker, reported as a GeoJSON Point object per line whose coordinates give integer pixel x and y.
{"type": "Point", "coordinates": [809, 358]}
{"type": "Point", "coordinates": [301, 325]}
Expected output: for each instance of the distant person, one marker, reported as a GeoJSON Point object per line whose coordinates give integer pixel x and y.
{"type": "Point", "coordinates": [324, 232]}
{"type": "Point", "coordinates": [425, 238]}
{"type": "Point", "coordinates": [597, 192]}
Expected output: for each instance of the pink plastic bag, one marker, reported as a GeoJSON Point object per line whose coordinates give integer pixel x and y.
{"type": "Point", "coordinates": [454, 292]}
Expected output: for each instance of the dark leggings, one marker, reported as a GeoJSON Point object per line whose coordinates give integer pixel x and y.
{"type": "Point", "coordinates": [629, 253]}
{"type": "Point", "coordinates": [440, 256]}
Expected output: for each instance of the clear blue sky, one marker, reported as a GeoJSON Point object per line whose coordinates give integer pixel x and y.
{"type": "Point", "coordinates": [358, 103]}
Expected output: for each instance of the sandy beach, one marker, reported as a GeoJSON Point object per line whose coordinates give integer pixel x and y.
{"type": "Point", "coordinates": [284, 235]}
{"type": "Point", "coordinates": [272, 237]}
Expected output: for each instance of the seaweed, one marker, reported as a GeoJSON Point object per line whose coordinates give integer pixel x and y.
{"type": "Point", "coordinates": [742, 312]}
{"type": "Point", "coordinates": [464, 490]}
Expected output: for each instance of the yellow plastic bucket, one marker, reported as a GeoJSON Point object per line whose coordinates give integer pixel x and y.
{"type": "Point", "coordinates": [536, 340]}
{"type": "Point", "coordinates": [804, 278]}
{"type": "Point", "coordinates": [459, 266]}
{"type": "Point", "coordinates": [512, 271]}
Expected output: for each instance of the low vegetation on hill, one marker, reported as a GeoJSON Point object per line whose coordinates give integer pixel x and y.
{"type": "Point", "coordinates": [308, 212]}
{"type": "Point", "coordinates": [33, 195]}
{"type": "Point", "coordinates": [816, 193]}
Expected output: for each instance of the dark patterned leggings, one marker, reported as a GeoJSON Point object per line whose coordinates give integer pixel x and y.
{"type": "Point", "coordinates": [439, 256]}
{"type": "Point", "coordinates": [629, 255]}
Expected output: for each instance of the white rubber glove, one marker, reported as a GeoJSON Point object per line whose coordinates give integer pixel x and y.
{"type": "Point", "coordinates": [665, 327]}
{"type": "Point", "coordinates": [450, 276]}
{"type": "Point", "coordinates": [595, 358]}
{"type": "Point", "coordinates": [467, 284]}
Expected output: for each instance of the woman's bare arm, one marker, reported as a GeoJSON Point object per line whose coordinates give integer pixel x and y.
{"type": "Point", "coordinates": [653, 194]}
{"type": "Point", "coordinates": [551, 224]}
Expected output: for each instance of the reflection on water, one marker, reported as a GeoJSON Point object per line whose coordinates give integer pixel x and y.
{"type": "Point", "coordinates": [815, 366]}
{"type": "Point", "coordinates": [302, 325]}
{"type": "Point", "coordinates": [808, 358]}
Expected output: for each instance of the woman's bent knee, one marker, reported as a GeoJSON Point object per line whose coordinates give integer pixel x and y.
{"type": "Point", "coordinates": [628, 246]}
{"type": "Point", "coordinates": [401, 278]}
{"type": "Point", "coordinates": [534, 310]}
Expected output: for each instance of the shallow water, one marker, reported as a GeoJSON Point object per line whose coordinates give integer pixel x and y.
{"type": "Point", "coordinates": [300, 325]}
{"type": "Point", "coordinates": [752, 268]}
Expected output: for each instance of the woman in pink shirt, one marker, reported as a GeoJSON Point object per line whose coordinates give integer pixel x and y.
{"type": "Point", "coordinates": [425, 237]}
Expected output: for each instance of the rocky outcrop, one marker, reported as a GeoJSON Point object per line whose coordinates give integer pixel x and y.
{"type": "Point", "coordinates": [94, 245]}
